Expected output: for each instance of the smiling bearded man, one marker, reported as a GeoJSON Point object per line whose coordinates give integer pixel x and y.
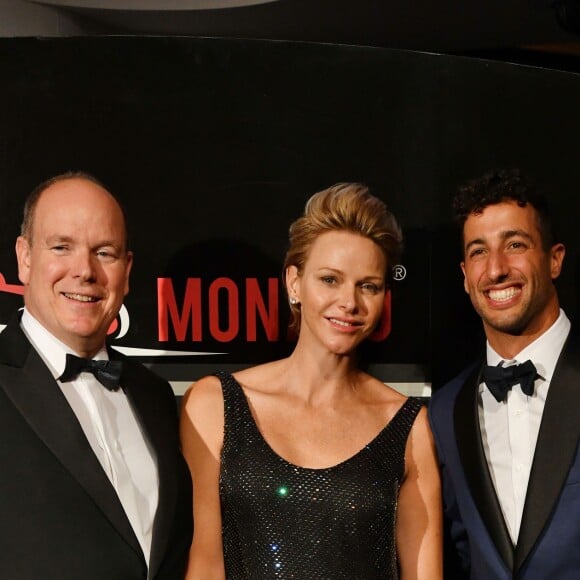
{"type": "Point", "coordinates": [507, 429]}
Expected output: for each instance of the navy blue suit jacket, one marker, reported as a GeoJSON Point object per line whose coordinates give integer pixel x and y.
{"type": "Point", "coordinates": [548, 546]}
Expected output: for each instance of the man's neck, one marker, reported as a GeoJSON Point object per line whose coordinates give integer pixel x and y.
{"type": "Point", "coordinates": [35, 331]}
{"type": "Point", "coordinates": [508, 346]}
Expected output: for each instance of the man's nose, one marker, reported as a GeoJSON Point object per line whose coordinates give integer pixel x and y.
{"type": "Point", "coordinates": [497, 266]}
{"type": "Point", "coordinates": [84, 265]}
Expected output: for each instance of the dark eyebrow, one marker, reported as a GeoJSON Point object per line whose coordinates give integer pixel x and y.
{"type": "Point", "coordinates": [512, 233]}
{"type": "Point", "coordinates": [504, 236]}
{"type": "Point", "coordinates": [476, 242]}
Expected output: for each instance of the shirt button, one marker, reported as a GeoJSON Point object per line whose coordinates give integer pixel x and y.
{"type": "Point", "coordinates": [518, 413]}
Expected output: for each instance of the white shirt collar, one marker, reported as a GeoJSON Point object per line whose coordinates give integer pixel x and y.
{"type": "Point", "coordinates": [52, 350]}
{"type": "Point", "coordinates": [543, 352]}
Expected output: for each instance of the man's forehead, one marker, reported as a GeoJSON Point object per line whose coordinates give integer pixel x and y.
{"type": "Point", "coordinates": [62, 213]}
{"type": "Point", "coordinates": [475, 233]}
{"type": "Point", "coordinates": [78, 187]}
{"type": "Point", "coordinates": [502, 217]}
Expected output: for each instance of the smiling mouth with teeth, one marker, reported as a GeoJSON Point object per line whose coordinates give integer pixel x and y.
{"type": "Point", "coordinates": [80, 297]}
{"type": "Point", "coordinates": [342, 322]}
{"type": "Point", "coordinates": [505, 294]}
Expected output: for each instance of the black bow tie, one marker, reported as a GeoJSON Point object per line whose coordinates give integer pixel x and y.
{"type": "Point", "coordinates": [107, 372]}
{"type": "Point", "coordinates": [500, 380]}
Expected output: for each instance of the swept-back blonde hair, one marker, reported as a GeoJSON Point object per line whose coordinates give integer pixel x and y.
{"type": "Point", "coordinates": [347, 207]}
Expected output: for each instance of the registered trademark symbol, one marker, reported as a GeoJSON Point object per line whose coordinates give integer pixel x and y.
{"type": "Point", "coordinates": [399, 272]}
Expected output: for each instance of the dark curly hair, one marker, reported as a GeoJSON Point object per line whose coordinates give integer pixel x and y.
{"type": "Point", "coordinates": [504, 185]}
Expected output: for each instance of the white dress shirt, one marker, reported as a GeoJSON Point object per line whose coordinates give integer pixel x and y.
{"type": "Point", "coordinates": [112, 430]}
{"type": "Point", "coordinates": [510, 428]}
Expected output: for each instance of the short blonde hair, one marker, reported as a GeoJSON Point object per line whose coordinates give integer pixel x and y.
{"type": "Point", "coordinates": [344, 206]}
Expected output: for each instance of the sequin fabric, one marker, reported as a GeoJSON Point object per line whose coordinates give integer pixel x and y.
{"type": "Point", "coordinates": [283, 521]}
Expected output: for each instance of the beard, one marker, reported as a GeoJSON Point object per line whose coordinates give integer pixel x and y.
{"type": "Point", "coordinates": [517, 322]}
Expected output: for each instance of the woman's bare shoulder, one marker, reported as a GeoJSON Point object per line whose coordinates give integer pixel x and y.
{"type": "Point", "coordinates": [421, 429]}
{"type": "Point", "coordinates": [203, 395]}
{"type": "Point", "coordinates": [382, 393]}
{"type": "Point", "coordinates": [261, 378]}
{"type": "Point", "coordinates": [202, 420]}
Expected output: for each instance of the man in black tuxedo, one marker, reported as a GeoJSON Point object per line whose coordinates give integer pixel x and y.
{"type": "Point", "coordinates": [92, 482]}
{"type": "Point", "coordinates": [508, 428]}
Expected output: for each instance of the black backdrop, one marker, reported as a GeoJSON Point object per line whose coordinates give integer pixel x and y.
{"type": "Point", "coordinates": [215, 144]}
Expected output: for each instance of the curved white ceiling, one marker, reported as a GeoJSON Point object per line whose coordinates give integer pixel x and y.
{"type": "Point", "coordinates": [159, 5]}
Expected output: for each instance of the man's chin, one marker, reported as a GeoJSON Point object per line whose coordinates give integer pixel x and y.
{"type": "Point", "coordinates": [86, 335]}
{"type": "Point", "coordinates": [511, 326]}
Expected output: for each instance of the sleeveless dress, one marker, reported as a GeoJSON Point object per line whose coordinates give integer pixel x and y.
{"type": "Point", "coordinates": [282, 521]}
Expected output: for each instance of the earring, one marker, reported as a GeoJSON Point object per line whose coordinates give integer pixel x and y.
{"type": "Point", "coordinates": [293, 301]}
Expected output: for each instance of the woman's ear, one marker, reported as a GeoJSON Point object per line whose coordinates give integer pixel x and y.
{"type": "Point", "coordinates": [293, 283]}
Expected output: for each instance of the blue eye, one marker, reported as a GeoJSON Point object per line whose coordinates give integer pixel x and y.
{"type": "Point", "coordinates": [328, 280]}
{"type": "Point", "coordinates": [370, 288]}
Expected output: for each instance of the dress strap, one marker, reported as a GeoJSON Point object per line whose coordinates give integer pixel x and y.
{"type": "Point", "coordinates": [410, 408]}
{"type": "Point", "coordinates": [239, 424]}
{"type": "Point", "coordinates": [404, 418]}
{"type": "Point", "coordinates": [389, 445]}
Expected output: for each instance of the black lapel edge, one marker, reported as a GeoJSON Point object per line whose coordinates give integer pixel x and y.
{"type": "Point", "coordinates": [477, 475]}
{"type": "Point", "coordinates": [555, 449]}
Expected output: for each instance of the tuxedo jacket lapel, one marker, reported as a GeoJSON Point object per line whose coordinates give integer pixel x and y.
{"type": "Point", "coordinates": [34, 392]}
{"type": "Point", "coordinates": [133, 382]}
{"type": "Point", "coordinates": [555, 449]}
{"type": "Point", "coordinates": [472, 454]}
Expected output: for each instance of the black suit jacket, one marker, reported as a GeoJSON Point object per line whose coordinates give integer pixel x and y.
{"type": "Point", "coordinates": [60, 517]}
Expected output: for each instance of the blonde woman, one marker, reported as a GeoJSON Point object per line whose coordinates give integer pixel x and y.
{"type": "Point", "coordinates": [308, 467]}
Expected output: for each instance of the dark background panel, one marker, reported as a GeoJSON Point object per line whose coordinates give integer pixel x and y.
{"type": "Point", "coordinates": [214, 145]}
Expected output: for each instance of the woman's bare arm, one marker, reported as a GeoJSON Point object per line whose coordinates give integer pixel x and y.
{"type": "Point", "coordinates": [201, 428]}
{"type": "Point", "coordinates": [419, 516]}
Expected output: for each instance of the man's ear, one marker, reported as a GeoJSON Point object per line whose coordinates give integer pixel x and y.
{"type": "Point", "coordinates": [557, 253]}
{"type": "Point", "coordinates": [23, 259]}
{"type": "Point", "coordinates": [465, 286]}
{"type": "Point", "coordinates": [128, 266]}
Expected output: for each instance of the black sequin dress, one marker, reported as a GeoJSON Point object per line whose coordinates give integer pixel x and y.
{"type": "Point", "coordinates": [284, 521]}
